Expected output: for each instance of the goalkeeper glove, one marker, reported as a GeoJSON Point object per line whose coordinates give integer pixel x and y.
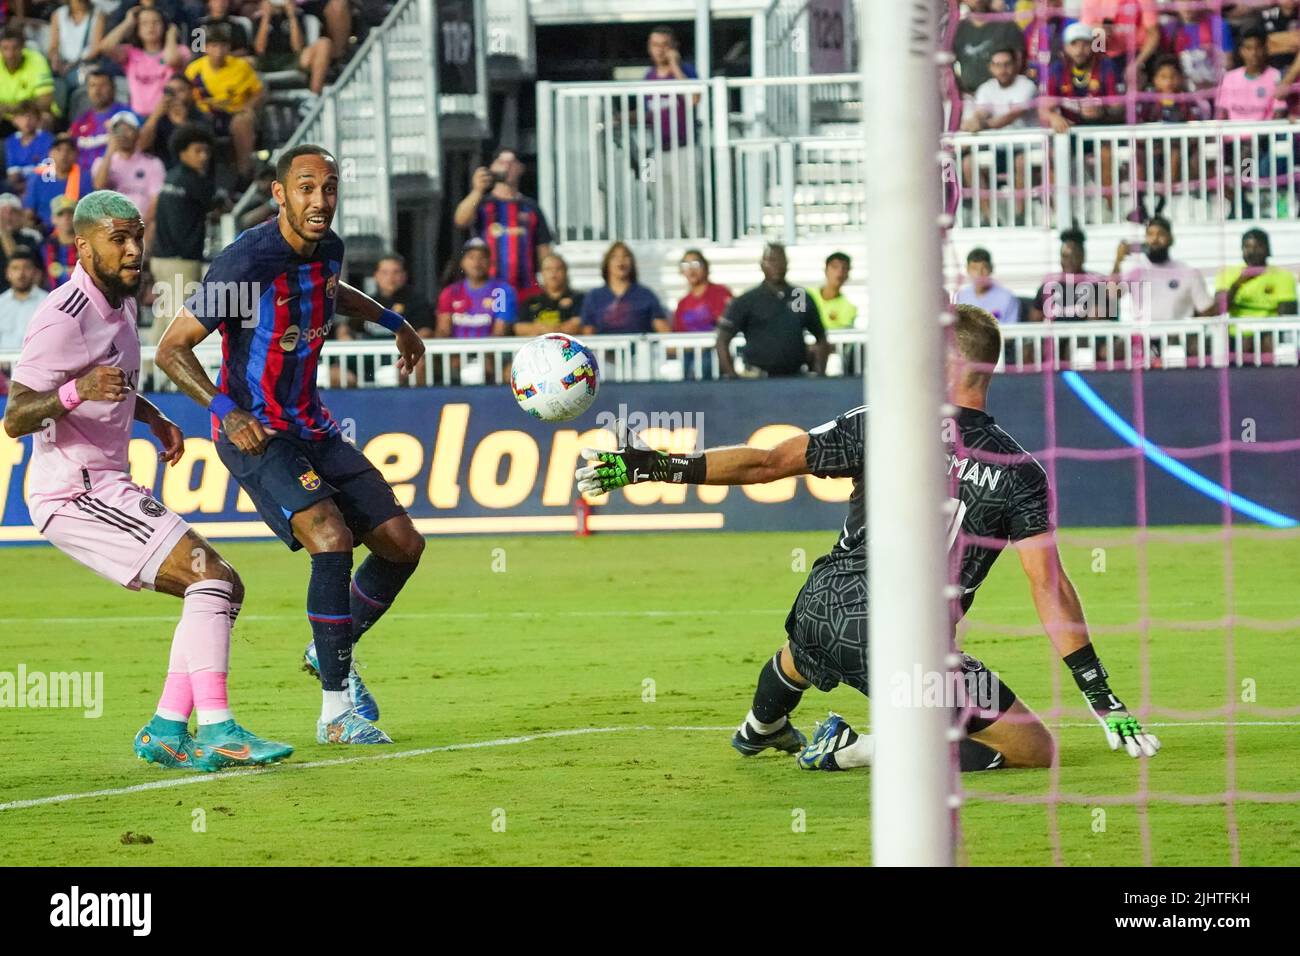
{"type": "Point", "coordinates": [1117, 723]}
{"type": "Point", "coordinates": [606, 470]}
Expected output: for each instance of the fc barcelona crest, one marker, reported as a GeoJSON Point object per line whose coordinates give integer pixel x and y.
{"type": "Point", "coordinates": [331, 286]}
{"type": "Point", "coordinates": [309, 480]}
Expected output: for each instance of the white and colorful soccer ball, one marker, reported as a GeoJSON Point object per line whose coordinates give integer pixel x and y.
{"type": "Point", "coordinates": [555, 377]}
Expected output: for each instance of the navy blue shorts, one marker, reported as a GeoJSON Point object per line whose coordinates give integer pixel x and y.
{"type": "Point", "coordinates": [292, 474]}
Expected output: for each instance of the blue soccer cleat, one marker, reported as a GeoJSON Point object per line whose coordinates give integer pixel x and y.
{"type": "Point", "coordinates": [229, 745]}
{"type": "Point", "coordinates": [832, 735]}
{"type": "Point", "coordinates": [362, 700]}
{"type": "Point", "coordinates": [166, 750]}
{"type": "Point", "coordinates": [350, 728]}
{"type": "Point", "coordinates": [749, 743]}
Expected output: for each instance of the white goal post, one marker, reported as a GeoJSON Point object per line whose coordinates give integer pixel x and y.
{"type": "Point", "coordinates": [911, 776]}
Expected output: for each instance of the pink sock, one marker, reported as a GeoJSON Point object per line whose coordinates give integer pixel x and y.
{"type": "Point", "coordinates": [203, 636]}
{"type": "Point", "coordinates": [177, 702]}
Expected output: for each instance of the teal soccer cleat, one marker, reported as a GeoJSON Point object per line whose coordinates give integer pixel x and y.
{"type": "Point", "coordinates": [350, 728]}
{"type": "Point", "coordinates": [167, 750]}
{"type": "Point", "coordinates": [362, 700]}
{"type": "Point", "coordinates": [229, 745]}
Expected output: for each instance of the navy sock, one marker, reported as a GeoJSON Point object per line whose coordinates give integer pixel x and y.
{"type": "Point", "coordinates": [776, 695]}
{"type": "Point", "coordinates": [331, 621]}
{"type": "Point", "coordinates": [374, 589]}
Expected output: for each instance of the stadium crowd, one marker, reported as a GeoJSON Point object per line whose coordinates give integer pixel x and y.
{"type": "Point", "coordinates": [163, 100]}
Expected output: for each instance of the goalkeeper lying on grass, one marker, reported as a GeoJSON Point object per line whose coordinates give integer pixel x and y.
{"type": "Point", "coordinates": [1002, 499]}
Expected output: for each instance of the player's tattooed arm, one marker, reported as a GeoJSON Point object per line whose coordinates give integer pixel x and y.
{"type": "Point", "coordinates": [733, 465]}
{"type": "Point", "coordinates": [29, 410]}
{"type": "Point", "coordinates": [176, 357]}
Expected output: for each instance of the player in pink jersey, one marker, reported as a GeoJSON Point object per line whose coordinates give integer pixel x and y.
{"type": "Point", "coordinates": [74, 390]}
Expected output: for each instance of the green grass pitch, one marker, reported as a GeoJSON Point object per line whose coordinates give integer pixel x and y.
{"type": "Point", "coordinates": [647, 642]}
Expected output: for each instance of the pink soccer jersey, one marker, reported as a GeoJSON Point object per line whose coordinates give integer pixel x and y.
{"type": "Point", "coordinates": [1246, 98]}
{"type": "Point", "coordinates": [74, 331]}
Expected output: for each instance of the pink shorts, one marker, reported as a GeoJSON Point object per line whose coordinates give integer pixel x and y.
{"type": "Point", "coordinates": [118, 531]}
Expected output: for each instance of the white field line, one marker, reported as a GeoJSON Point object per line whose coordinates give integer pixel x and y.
{"type": "Point", "coordinates": [592, 612]}
{"type": "Point", "coordinates": [192, 778]}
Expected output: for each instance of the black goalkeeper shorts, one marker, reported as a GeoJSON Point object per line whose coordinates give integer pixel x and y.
{"type": "Point", "coordinates": [827, 628]}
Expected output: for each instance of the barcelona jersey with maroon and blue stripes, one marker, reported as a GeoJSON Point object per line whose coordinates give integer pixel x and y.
{"type": "Point", "coordinates": [513, 230]}
{"type": "Point", "coordinates": [274, 309]}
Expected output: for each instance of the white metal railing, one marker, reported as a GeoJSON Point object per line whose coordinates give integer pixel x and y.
{"type": "Point", "coordinates": [377, 121]}
{"type": "Point", "coordinates": [626, 160]}
{"type": "Point", "coordinates": [1027, 347]}
{"type": "Point", "coordinates": [779, 168]}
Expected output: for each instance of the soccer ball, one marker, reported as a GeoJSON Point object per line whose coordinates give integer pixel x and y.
{"type": "Point", "coordinates": [555, 377]}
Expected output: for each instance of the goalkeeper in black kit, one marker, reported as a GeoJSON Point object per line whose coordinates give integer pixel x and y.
{"type": "Point", "coordinates": [1001, 498]}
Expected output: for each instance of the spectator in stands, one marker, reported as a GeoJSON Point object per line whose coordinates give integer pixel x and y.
{"type": "Point", "coordinates": [1250, 91]}
{"type": "Point", "coordinates": [1073, 294]}
{"type": "Point", "coordinates": [26, 147]}
{"type": "Point", "coordinates": [1168, 80]}
{"type": "Point", "coordinates": [1075, 81]}
{"type": "Point", "coordinates": [983, 291]}
{"type": "Point", "coordinates": [60, 175]}
{"type": "Point", "coordinates": [669, 176]}
{"type": "Point", "coordinates": [72, 44]}
{"type": "Point", "coordinates": [279, 44]}
{"type": "Point", "coordinates": [556, 308]}
{"type": "Point", "coordinates": [90, 129]}
{"type": "Point", "coordinates": [24, 75]}
{"type": "Point", "coordinates": [219, 13]}
{"type": "Point", "coordinates": [978, 37]}
{"type": "Point", "coordinates": [1202, 41]}
{"type": "Point", "coordinates": [335, 17]}
{"type": "Point", "coordinates": [175, 109]}
{"type": "Point", "coordinates": [1254, 289]}
{"type": "Point", "coordinates": [14, 235]}
{"type": "Point", "coordinates": [1004, 101]}
{"type": "Point", "coordinates": [704, 303]}
{"type": "Point", "coordinates": [60, 249]}
{"type": "Point", "coordinates": [146, 48]}
{"type": "Point", "coordinates": [229, 91]}
{"type": "Point", "coordinates": [18, 303]}
{"type": "Point", "coordinates": [833, 306]}
{"type": "Point", "coordinates": [1276, 22]}
{"type": "Point", "coordinates": [178, 222]}
{"type": "Point", "coordinates": [1044, 23]}
{"type": "Point", "coordinates": [773, 316]}
{"type": "Point", "coordinates": [393, 290]}
{"type": "Point", "coordinates": [621, 305]}
{"type": "Point", "coordinates": [1131, 32]}
{"type": "Point", "coordinates": [512, 224]}
{"type": "Point", "coordinates": [1158, 288]}
{"type": "Point", "coordinates": [476, 305]}
{"type": "Point", "coordinates": [126, 168]}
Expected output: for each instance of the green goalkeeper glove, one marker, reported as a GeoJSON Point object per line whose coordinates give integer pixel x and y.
{"type": "Point", "coordinates": [1117, 723]}
{"type": "Point", "coordinates": [606, 470]}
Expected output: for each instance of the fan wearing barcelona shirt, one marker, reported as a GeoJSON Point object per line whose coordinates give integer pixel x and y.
{"type": "Point", "coordinates": [60, 249]}
{"type": "Point", "coordinates": [273, 294]}
{"type": "Point", "coordinates": [475, 306]}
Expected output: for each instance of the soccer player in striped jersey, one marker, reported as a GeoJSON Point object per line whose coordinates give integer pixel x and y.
{"type": "Point", "coordinates": [1001, 498]}
{"type": "Point", "coordinates": [74, 391]}
{"type": "Point", "coordinates": [272, 294]}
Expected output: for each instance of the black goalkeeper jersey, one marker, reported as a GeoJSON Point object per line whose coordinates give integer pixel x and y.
{"type": "Point", "coordinates": [1000, 490]}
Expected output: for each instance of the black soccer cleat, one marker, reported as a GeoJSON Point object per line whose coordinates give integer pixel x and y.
{"type": "Point", "coordinates": [749, 743]}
